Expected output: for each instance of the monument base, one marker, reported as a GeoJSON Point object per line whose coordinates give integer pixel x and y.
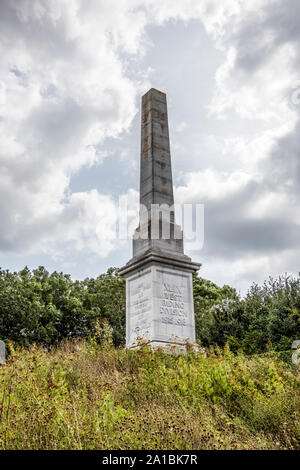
{"type": "Point", "coordinates": [159, 302]}
{"type": "Point", "coordinates": [170, 347]}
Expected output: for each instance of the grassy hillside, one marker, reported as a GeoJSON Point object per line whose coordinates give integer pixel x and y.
{"type": "Point", "coordinates": [83, 396]}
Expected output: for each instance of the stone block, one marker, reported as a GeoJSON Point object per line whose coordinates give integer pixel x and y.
{"type": "Point", "coordinates": [159, 306]}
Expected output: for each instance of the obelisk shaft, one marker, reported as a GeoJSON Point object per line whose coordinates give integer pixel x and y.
{"type": "Point", "coordinates": [156, 185]}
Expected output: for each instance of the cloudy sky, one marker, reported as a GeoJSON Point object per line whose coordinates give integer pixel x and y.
{"type": "Point", "coordinates": [71, 77]}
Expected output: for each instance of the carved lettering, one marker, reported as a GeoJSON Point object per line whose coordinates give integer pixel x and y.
{"type": "Point", "coordinates": [172, 308]}
{"type": "Point", "coordinates": [140, 306]}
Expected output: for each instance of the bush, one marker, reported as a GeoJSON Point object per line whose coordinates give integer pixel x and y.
{"type": "Point", "coordinates": [269, 316]}
{"type": "Point", "coordinates": [38, 307]}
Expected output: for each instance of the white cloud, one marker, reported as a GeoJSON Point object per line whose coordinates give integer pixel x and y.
{"type": "Point", "coordinates": [181, 126]}
{"type": "Point", "coordinates": [210, 184]}
{"type": "Point", "coordinates": [66, 85]}
{"type": "Point", "coordinates": [63, 91]}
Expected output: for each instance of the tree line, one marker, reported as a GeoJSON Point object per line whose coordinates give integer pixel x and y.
{"type": "Point", "coordinates": [43, 308]}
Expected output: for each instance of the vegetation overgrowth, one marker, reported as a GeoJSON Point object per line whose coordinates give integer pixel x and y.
{"type": "Point", "coordinates": [86, 395]}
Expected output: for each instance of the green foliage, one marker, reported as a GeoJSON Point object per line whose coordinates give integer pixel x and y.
{"type": "Point", "coordinates": [43, 308]}
{"type": "Point", "coordinates": [206, 296]}
{"type": "Point", "coordinates": [269, 316]}
{"type": "Point", "coordinates": [106, 296]}
{"type": "Point", "coordinates": [38, 307]}
{"type": "Point", "coordinates": [83, 395]}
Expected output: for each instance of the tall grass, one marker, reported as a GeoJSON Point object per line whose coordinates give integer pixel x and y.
{"type": "Point", "coordinates": [83, 396]}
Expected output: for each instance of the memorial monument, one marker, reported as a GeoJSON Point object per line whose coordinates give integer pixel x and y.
{"type": "Point", "coordinates": [159, 289]}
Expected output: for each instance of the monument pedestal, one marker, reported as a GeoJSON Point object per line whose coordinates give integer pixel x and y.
{"type": "Point", "coordinates": [159, 300]}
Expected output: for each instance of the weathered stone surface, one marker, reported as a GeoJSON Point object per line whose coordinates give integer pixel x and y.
{"type": "Point", "coordinates": [159, 292]}
{"type": "Point", "coordinates": [156, 186]}
{"type": "Point", "coordinates": [160, 306]}
{"type": "Point", "coordinates": [2, 352]}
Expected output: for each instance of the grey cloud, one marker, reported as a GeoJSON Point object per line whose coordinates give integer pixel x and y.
{"type": "Point", "coordinates": [231, 232]}
{"type": "Point", "coordinates": [231, 237]}
{"type": "Point", "coordinates": [23, 77]}
{"type": "Point", "coordinates": [22, 26]}
{"type": "Point", "coordinates": [282, 169]}
{"type": "Point", "coordinates": [55, 123]}
{"type": "Point", "coordinates": [260, 35]}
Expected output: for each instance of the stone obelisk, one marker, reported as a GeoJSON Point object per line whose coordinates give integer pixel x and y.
{"type": "Point", "coordinates": [159, 290]}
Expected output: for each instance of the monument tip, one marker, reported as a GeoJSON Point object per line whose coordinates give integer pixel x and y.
{"type": "Point", "coordinates": [155, 91]}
